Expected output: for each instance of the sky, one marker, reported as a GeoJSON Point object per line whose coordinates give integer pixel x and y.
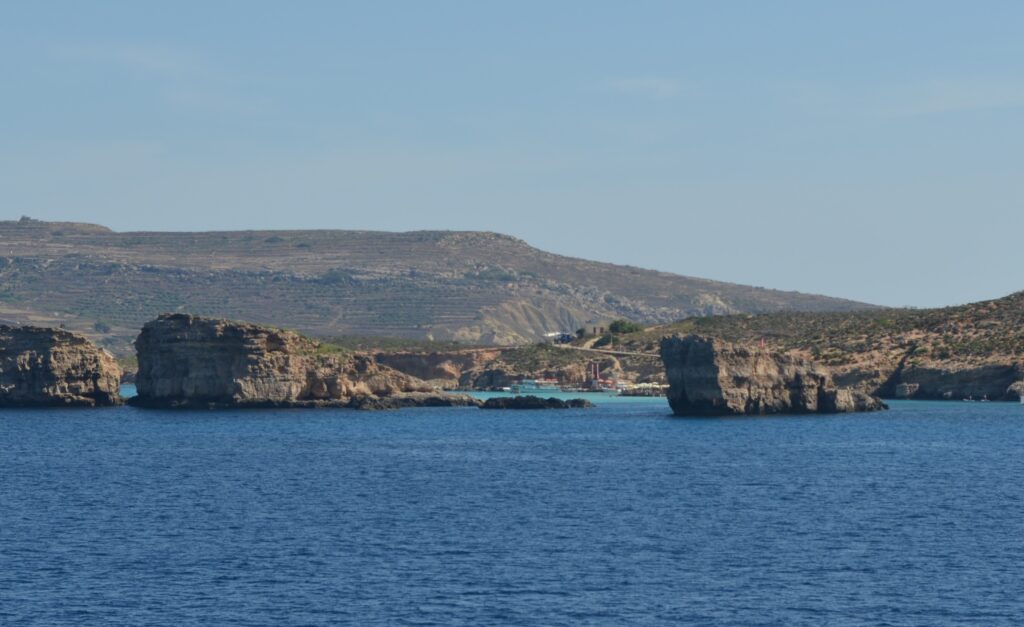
{"type": "Point", "coordinates": [870, 150]}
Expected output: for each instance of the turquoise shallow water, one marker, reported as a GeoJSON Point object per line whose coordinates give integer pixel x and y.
{"type": "Point", "coordinates": [598, 398]}
{"type": "Point", "coordinates": [615, 515]}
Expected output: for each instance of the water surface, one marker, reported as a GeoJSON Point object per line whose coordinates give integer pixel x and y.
{"type": "Point", "coordinates": [614, 515]}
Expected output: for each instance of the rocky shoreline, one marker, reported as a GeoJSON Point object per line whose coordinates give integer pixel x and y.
{"type": "Point", "coordinates": [709, 377]}
{"type": "Point", "coordinates": [43, 367]}
{"type": "Point", "coordinates": [192, 362]}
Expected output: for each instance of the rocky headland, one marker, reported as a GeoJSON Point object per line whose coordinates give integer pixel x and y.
{"type": "Point", "coordinates": [710, 377]}
{"type": "Point", "coordinates": [44, 367]}
{"type": "Point", "coordinates": [193, 362]}
{"type": "Point", "coordinates": [973, 351]}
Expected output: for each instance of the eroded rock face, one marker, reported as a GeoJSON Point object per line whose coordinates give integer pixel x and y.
{"type": "Point", "coordinates": [1015, 390]}
{"type": "Point", "coordinates": [955, 382]}
{"type": "Point", "coordinates": [189, 361]}
{"type": "Point", "coordinates": [709, 377]}
{"type": "Point", "coordinates": [43, 367]}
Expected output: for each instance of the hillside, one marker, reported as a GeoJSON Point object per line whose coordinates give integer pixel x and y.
{"type": "Point", "coordinates": [471, 287]}
{"type": "Point", "coordinates": [969, 350]}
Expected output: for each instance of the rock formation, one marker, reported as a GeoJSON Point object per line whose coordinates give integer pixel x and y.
{"type": "Point", "coordinates": [188, 361]}
{"type": "Point", "coordinates": [496, 368]}
{"type": "Point", "coordinates": [954, 381]}
{"type": "Point", "coordinates": [1015, 390]}
{"type": "Point", "coordinates": [42, 367]}
{"type": "Point", "coordinates": [534, 402]}
{"type": "Point", "coordinates": [709, 377]}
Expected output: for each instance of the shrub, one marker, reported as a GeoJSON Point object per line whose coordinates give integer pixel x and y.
{"type": "Point", "coordinates": [624, 326]}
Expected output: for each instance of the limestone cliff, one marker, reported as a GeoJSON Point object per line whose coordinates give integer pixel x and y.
{"type": "Point", "coordinates": [188, 361]}
{"type": "Point", "coordinates": [52, 367]}
{"type": "Point", "coordinates": [974, 350]}
{"type": "Point", "coordinates": [491, 368]}
{"type": "Point", "coordinates": [709, 377]}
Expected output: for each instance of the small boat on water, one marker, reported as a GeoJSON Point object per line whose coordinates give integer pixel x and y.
{"type": "Point", "coordinates": [536, 385]}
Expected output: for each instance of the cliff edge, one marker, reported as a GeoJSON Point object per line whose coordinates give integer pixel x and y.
{"type": "Point", "coordinates": [189, 361]}
{"type": "Point", "coordinates": [709, 377]}
{"type": "Point", "coordinates": [44, 367]}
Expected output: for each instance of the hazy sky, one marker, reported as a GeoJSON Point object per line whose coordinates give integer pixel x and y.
{"type": "Point", "coordinates": [871, 150]}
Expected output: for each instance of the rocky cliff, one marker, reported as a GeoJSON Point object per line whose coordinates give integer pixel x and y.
{"type": "Point", "coordinates": [189, 361]}
{"type": "Point", "coordinates": [709, 377]}
{"type": "Point", "coordinates": [484, 369]}
{"type": "Point", "coordinates": [974, 350]}
{"type": "Point", "coordinates": [52, 367]}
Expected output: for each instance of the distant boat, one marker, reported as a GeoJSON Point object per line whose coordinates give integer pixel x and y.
{"type": "Point", "coordinates": [536, 385]}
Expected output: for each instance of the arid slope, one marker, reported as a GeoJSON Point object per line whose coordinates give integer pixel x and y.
{"type": "Point", "coordinates": [473, 287]}
{"type": "Point", "coordinates": [970, 350]}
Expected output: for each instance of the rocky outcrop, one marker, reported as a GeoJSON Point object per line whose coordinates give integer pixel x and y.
{"type": "Point", "coordinates": [709, 377]}
{"type": "Point", "coordinates": [496, 368]}
{"type": "Point", "coordinates": [43, 367]}
{"type": "Point", "coordinates": [413, 399]}
{"type": "Point", "coordinates": [188, 361]}
{"type": "Point", "coordinates": [448, 369]}
{"type": "Point", "coordinates": [953, 381]}
{"type": "Point", "coordinates": [534, 402]}
{"type": "Point", "coordinates": [1015, 390]}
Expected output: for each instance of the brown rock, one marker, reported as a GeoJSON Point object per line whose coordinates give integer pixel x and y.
{"type": "Point", "coordinates": [709, 377]}
{"type": "Point", "coordinates": [188, 361]}
{"type": "Point", "coordinates": [55, 368]}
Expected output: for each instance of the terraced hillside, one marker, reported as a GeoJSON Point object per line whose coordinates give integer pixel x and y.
{"type": "Point", "coordinates": [472, 287]}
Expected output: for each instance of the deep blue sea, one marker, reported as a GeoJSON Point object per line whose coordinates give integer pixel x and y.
{"type": "Point", "coordinates": [620, 514]}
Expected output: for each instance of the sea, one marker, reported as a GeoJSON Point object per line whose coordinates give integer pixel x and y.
{"type": "Point", "coordinates": [617, 515]}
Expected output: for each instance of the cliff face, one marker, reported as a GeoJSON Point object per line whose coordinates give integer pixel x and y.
{"type": "Point", "coordinates": [52, 367]}
{"type": "Point", "coordinates": [710, 377]}
{"type": "Point", "coordinates": [997, 381]}
{"type": "Point", "coordinates": [188, 361]}
{"type": "Point", "coordinates": [972, 350]}
{"type": "Point", "coordinates": [448, 369]}
{"type": "Point", "coordinates": [476, 368]}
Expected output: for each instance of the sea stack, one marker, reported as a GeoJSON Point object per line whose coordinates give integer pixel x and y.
{"type": "Point", "coordinates": [193, 362]}
{"type": "Point", "coordinates": [45, 367]}
{"type": "Point", "coordinates": [709, 377]}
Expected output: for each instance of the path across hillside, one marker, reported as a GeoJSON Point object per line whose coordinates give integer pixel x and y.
{"type": "Point", "coordinates": [606, 352]}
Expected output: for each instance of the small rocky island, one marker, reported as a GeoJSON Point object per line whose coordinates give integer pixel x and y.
{"type": "Point", "coordinates": [535, 402]}
{"type": "Point", "coordinates": [709, 377]}
{"type": "Point", "coordinates": [45, 367]}
{"type": "Point", "coordinates": [193, 362]}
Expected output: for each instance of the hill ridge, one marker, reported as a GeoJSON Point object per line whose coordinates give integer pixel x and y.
{"type": "Point", "coordinates": [468, 286]}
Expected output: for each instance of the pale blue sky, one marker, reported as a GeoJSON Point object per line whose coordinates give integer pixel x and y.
{"type": "Point", "coordinates": [871, 150]}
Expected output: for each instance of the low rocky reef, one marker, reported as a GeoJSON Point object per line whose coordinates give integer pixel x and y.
{"type": "Point", "coordinates": [45, 367]}
{"type": "Point", "coordinates": [188, 361]}
{"type": "Point", "coordinates": [709, 377]}
{"type": "Point", "coordinates": [534, 402]}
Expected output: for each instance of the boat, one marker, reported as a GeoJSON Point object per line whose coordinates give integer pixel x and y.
{"type": "Point", "coordinates": [643, 389]}
{"type": "Point", "coordinates": [536, 385]}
